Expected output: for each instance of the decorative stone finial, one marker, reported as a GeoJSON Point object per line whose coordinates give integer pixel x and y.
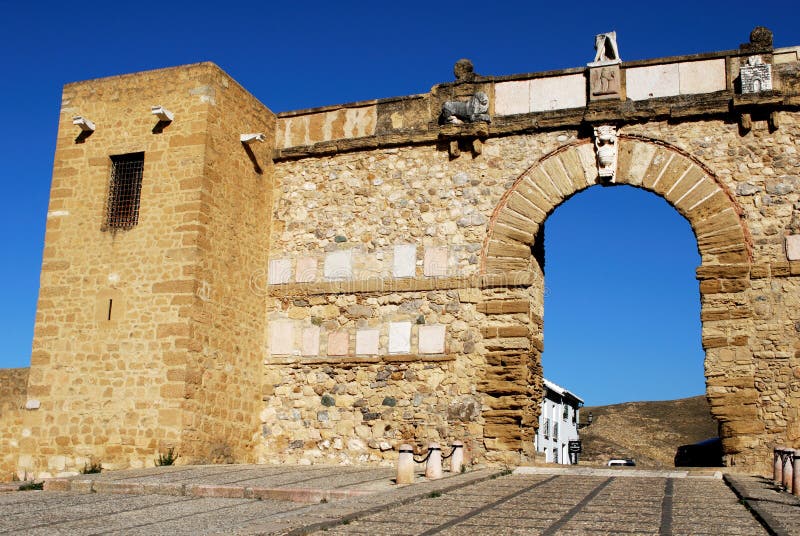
{"type": "Point", "coordinates": [607, 53]}
{"type": "Point", "coordinates": [605, 144]}
{"type": "Point", "coordinates": [475, 110]}
{"type": "Point", "coordinates": [464, 70]}
{"type": "Point", "coordinates": [760, 40]}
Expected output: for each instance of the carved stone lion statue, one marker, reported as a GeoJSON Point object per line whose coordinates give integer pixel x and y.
{"type": "Point", "coordinates": [472, 111]}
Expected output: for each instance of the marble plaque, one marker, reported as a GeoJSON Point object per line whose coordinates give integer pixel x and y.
{"type": "Point", "coordinates": [399, 337]}
{"type": "Point", "coordinates": [339, 265]}
{"type": "Point", "coordinates": [512, 97]}
{"type": "Point", "coordinates": [405, 260]}
{"type": "Point", "coordinates": [338, 343]}
{"type": "Point", "coordinates": [367, 341]}
{"type": "Point", "coordinates": [431, 339]}
{"type": "Point", "coordinates": [793, 247]}
{"type": "Point", "coordinates": [306, 271]}
{"type": "Point", "coordinates": [280, 271]}
{"type": "Point", "coordinates": [435, 262]}
{"type": "Point", "coordinates": [310, 343]}
{"type": "Point", "coordinates": [642, 83]}
{"type": "Point", "coordinates": [281, 338]}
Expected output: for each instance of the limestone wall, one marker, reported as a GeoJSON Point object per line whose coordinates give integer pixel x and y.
{"type": "Point", "coordinates": [127, 358]}
{"type": "Point", "coordinates": [360, 221]}
{"type": "Point", "coordinates": [13, 387]}
{"type": "Point", "coordinates": [365, 276]}
{"type": "Point", "coordinates": [227, 322]}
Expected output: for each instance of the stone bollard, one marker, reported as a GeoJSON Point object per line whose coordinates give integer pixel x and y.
{"type": "Point", "coordinates": [433, 469]}
{"type": "Point", "coordinates": [457, 457]}
{"type": "Point", "coordinates": [405, 464]}
{"type": "Point", "coordinates": [787, 464]}
{"type": "Point", "coordinates": [777, 465]}
{"type": "Point", "coordinates": [796, 473]}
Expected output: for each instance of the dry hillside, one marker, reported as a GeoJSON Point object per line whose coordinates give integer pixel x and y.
{"type": "Point", "coordinates": [648, 432]}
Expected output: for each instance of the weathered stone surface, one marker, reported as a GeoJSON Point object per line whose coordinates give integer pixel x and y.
{"type": "Point", "coordinates": [346, 184]}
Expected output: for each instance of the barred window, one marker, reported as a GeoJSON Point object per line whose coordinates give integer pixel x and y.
{"type": "Point", "coordinates": [546, 432]}
{"type": "Point", "coordinates": [124, 191]}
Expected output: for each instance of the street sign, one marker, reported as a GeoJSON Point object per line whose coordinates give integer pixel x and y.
{"type": "Point", "coordinates": [575, 447]}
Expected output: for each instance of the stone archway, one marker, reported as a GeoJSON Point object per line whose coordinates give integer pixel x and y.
{"type": "Point", "coordinates": [723, 243]}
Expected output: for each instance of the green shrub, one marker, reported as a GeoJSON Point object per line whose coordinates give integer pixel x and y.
{"type": "Point", "coordinates": [166, 459]}
{"type": "Point", "coordinates": [31, 486]}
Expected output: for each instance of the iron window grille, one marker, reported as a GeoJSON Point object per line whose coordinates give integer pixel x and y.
{"type": "Point", "coordinates": [555, 431]}
{"type": "Point", "coordinates": [546, 428]}
{"type": "Point", "coordinates": [124, 191]}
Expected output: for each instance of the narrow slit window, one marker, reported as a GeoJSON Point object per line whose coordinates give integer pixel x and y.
{"type": "Point", "coordinates": [110, 303]}
{"type": "Point", "coordinates": [125, 190]}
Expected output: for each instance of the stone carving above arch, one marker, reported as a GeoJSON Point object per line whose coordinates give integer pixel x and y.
{"type": "Point", "coordinates": [652, 165]}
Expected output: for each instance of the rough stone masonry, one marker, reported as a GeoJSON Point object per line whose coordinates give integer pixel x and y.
{"type": "Point", "coordinates": [319, 286]}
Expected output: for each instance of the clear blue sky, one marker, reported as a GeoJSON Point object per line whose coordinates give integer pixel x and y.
{"type": "Point", "coordinates": [302, 54]}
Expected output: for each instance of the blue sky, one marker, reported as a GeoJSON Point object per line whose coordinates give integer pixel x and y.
{"type": "Point", "coordinates": [298, 55]}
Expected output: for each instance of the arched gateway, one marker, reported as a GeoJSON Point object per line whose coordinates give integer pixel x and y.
{"type": "Point", "coordinates": [722, 240]}
{"type": "Point", "coordinates": [323, 285]}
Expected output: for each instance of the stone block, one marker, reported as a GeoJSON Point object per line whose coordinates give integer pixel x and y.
{"type": "Point", "coordinates": [793, 247]}
{"type": "Point", "coordinates": [512, 97]}
{"type": "Point", "coordinates": [367, 341]}
{"type": "Point", "coordinates": [310, 341]}
{"type": "Point", "coordinates": [435, 261]}
{"type": "Point", "coordinates": [558, 92]}
{"type": "Point", "coordinates": [280, 271]}
{"type": "Point", "coordinates": [281, 338]}
{"type": "Point", "coordinates": [702, 76]}
{"type": "Point", "coordinates": [339, 265]}
{"type": "Point", "coordinates": [405, 260]}
{"type": "Point", "coordinates": [306, 270]}
{"type": "Point", "coordinates": [399, 337]}
{"type": "Point", "coordinates": [338, 343]}
{"type": "Point", "coordinates": [652, 81]}
{"type": "Point", "coordinates": [604, 82]}
{"type": "Point", "coordinates": [431, 339]}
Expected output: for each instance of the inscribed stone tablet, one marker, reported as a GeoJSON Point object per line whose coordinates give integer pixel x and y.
{"type": "Point", "coordinates": [306, 270]}
{"type": "Point", "coordinates": [793, 247]}
{"type": "Point", "coordinates": [339, 265]}
{"type": "Point", "coordinates": [281, 338]}
{"type": "Point", "coordinates": [310, 345]}
{"type": "Point", "coordinates": [399, 337]}
{"type": "Point", "coordinates": [431, 339]}
{"type": "Point", "coordinates": [435, 263]}
{"type": "Point", "coordinates": [338, 343]}
{"type": "Point", "coordinates": [280, 271]}
{"type": "Point", "coordinates": [405, 260]}
{"type": "Point", "coordinates": [367, 341]}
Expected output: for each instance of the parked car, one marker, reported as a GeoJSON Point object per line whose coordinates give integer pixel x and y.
{"type": "Point", "coordinates": [706, 453]}
{"type": "Point", "coordinates": [621, 462]}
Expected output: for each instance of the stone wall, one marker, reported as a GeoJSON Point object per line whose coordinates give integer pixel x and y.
{"type": "Point", "coordinates": [161, 370]}
{"type": "Point", "coordinates": [372, 215]}
{"type": "Point", "coordinates": [365, 276]}
{"type": "Point", "coordinates": [13, 387]}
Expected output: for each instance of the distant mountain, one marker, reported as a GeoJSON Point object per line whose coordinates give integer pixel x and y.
{"type": "Point", "coordinates": [648, 432]}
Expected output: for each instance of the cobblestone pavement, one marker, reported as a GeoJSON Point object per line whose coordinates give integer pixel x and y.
{"type": "Point", "coordinates": [474, 503]}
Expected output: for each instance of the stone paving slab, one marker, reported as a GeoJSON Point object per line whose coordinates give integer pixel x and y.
{"type": "Point", "coordinates": [477, 502]}
{"type": "Point", "coordinates": [777, 509]}
{"type": "Point", "coordinates": [615, 472]}
{"type": "Point", "coordinates": [300, 484]}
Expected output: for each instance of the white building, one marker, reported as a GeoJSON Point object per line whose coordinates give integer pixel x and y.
{"type": "Point", "coordinates": [558, 423]}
